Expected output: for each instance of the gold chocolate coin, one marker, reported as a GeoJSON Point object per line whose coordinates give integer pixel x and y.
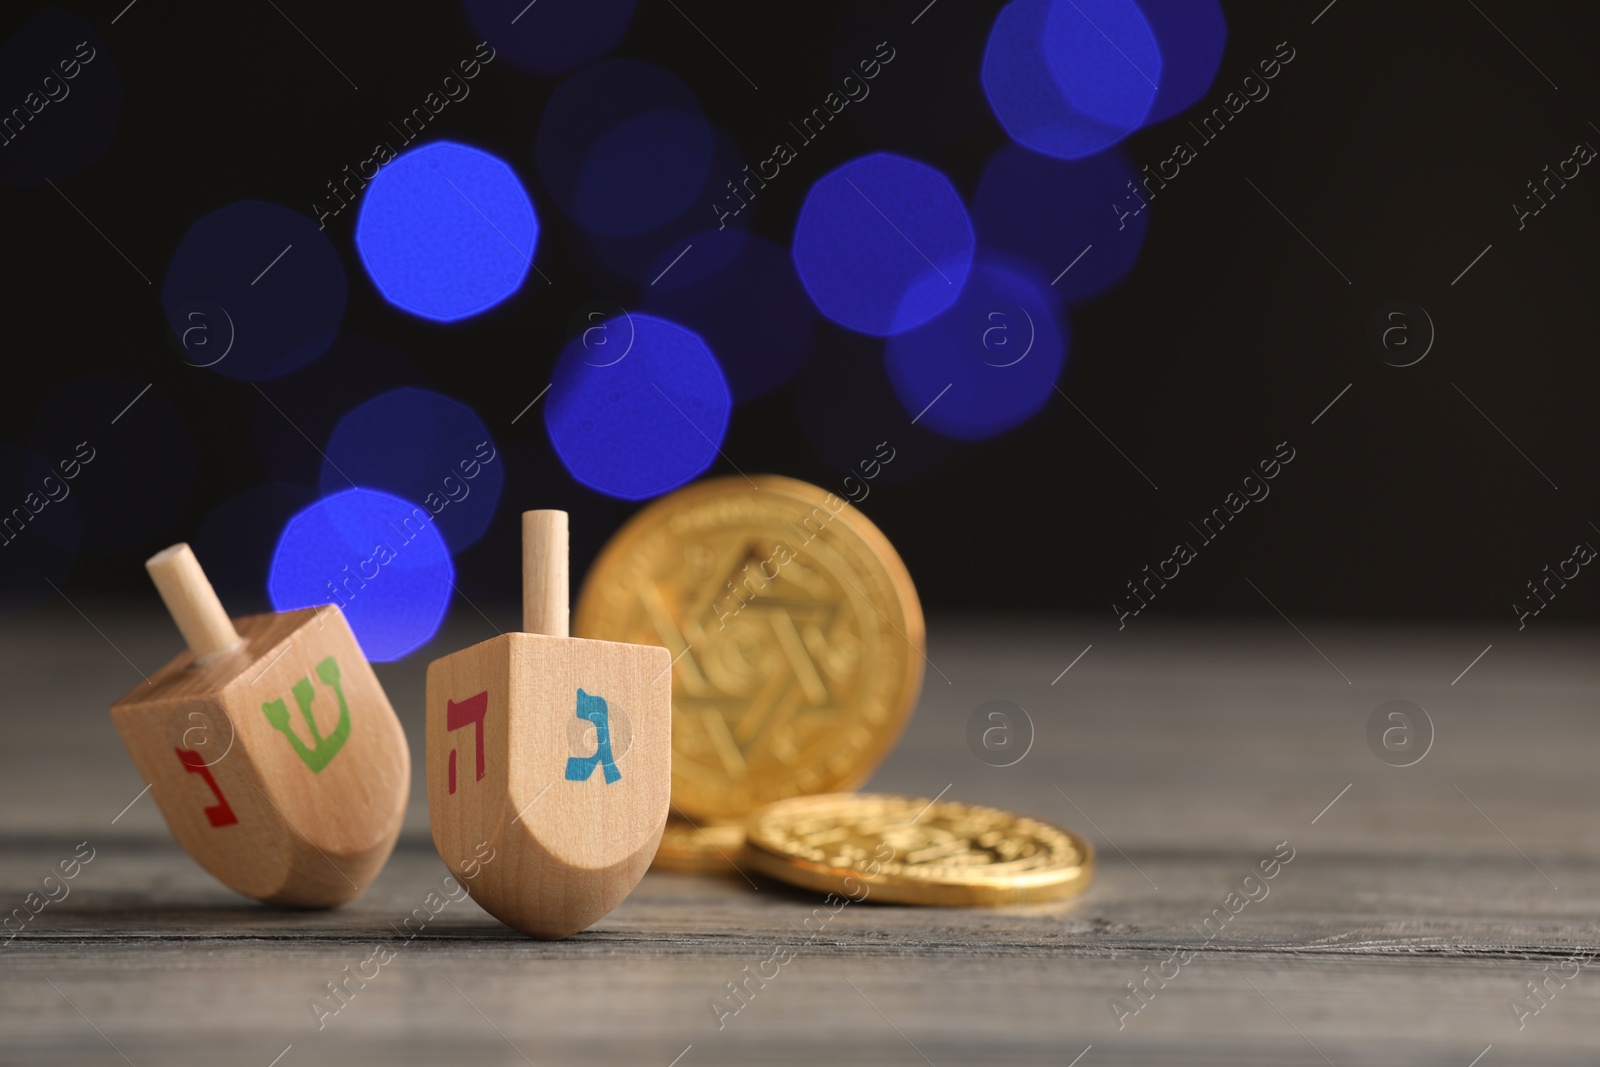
{"type": "Point", "coordinates": [906, 850]}
{"type": "Point", "coordinates": [707, 848]}
{"type": "Point", "coordinates": [795, 631]}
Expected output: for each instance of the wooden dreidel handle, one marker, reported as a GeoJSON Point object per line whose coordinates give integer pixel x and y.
{"type": "Point", "coordinates": [298, 807]}
{"type": "Point", "coordinates": [192, 603]}
{"type": "Point", "coordinates": [549, 757]}
{"type": "Point", "coordinates": [544, 573]}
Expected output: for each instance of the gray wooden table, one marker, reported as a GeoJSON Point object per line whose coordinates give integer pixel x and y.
{"type": "Point", "coordinates": [1419, 902]}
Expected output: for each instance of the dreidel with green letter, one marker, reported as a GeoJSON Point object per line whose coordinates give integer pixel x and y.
{"type": "Point", "coordinates": [553, 751]}
{"type": "Point", "coordinates": [269, 746]}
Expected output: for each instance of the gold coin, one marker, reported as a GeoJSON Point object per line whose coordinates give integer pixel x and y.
{"type": "Point", "coordinates": [795, 632]}
{"type": "Point", "coordinates": [906, 850]}
{"type": "Point", "coordinates": [707, 848]}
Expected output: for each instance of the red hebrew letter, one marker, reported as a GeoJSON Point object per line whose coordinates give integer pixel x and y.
{"type": "Point", "coordinates": [471, 710]}
{"type": "Point", "coordinates": [220, 813]}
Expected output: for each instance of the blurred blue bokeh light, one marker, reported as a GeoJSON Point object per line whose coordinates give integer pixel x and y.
{"type": "Point", "coordinates": [1105, 58]}
{"type": "Point", "coordinates": [421, 446]}
{"type": "Point", "coordinates": [54, 58]}
{"type": "Point", "coordinates": [754, 314]}
{"type": "Point", "coordinates": [640, 414]}
{"type": "Point", "coordinates": [883, 244]}
{"type": "Point", "coordinates": [376, 556]}
{"type": "Point", "coordinates": [1191, 35]}
{"type": "Point", "coordinates": [623, 147]}
{"type": "Point", "coordinates": [552, 37]}
{"type": "Point", "coordinates": [987, 364]}
{"type": "Point", "coordinates": [661, 258]}
{"type": "Point", "coordinates": [446, 231]}
{"type": "Point", "coordinates": [1070, 77]}
{"type": "Point", "coordinates": [254, 291]}
{"type": "Point", "coordinates": [1080, 222]}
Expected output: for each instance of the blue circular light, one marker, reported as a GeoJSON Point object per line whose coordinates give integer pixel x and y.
{"type": "Point", "coordinates": [754, 313]}
{"type": "Point", "coordinates": [446, 231]}
{"type": "Point", "coordinates": [609, 181]}
{"type": "Point", "coordinates": [138, 459]}
{"type": "Point", "coordinates": [987, 364]}
{"type": "Point", "coordinates": [1070, 77]}
{"type": "Point", "coordinates": [624, 147]}
{"type": "Point", "coordinates": [62, 97]}
{"type": "Point", "coordinates": [425, 447]}
{"type": "Point", "coordinates": [1191, 35]}
{"type": "Point", "coordinates": [1105, 58]}
{"type": "Point", "coordinates": [376, 556]}
{"type": "Point", "coordinates": [694, 245]}
{"type": "Point", "coordinates": [550, 38]}
{"type": "Point", "coordinates": [1080, 222]}
{"type": "Point", "coordinates": [642, 413]}
{"type": "Point", "coordinates": [254, 291]}
{"type": "Point", "coordinates": [883, 244]}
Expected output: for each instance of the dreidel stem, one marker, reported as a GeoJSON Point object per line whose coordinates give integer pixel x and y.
{"type": "Point", "coordinates": [191, 601]}
{"type": "Point", "coordinates": [544, 573]}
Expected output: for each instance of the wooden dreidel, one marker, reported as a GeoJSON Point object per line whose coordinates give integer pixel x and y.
{"type": "Point", "coordinates": [269, 746]}
{"type": "Point", "coordinates": [552, 751]}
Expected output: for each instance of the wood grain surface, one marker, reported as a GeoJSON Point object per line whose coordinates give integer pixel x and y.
{"type": "Point", "coordinates": [1419, 904]}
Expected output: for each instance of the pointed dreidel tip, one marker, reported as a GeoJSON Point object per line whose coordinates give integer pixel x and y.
{"type": "Point", "coordinates": [191, 602]}
{"type": "Point", "coordinates": [544, 573]}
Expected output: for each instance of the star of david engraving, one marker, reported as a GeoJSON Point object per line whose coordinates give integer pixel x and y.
{"type": "Point", "coordinates": [758, 688]}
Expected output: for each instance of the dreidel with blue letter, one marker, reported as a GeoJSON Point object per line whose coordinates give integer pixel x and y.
{"type": "Point", "coordinates": [269, 746]}
{"type": "Point", "coordinates": [554, 752]}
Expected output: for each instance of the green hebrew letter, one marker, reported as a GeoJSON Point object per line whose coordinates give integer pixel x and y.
{"type": "Point", "coordinates": [323, 749]}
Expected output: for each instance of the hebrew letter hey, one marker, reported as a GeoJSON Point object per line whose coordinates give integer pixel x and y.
{"type": "Point", "coordinates": [470, 710]}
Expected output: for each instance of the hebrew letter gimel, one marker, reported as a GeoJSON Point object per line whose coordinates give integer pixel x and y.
{"type": "Point", "coordinates": [580, 768]}
{"type": "Point", "coordinates": [321, 751]}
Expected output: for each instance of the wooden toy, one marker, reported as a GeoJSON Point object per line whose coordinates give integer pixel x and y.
{"type": "Point", "coordinates": [269, 746]}
{"type": "Point", "coordinates": [554, 750]}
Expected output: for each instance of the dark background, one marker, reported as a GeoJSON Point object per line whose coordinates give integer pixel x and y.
{"type": "Point", "coordinates": [1397, 141]}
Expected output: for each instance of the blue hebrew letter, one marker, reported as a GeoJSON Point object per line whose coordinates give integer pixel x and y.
{"type": "Point", "coordinates": [579, 768]}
